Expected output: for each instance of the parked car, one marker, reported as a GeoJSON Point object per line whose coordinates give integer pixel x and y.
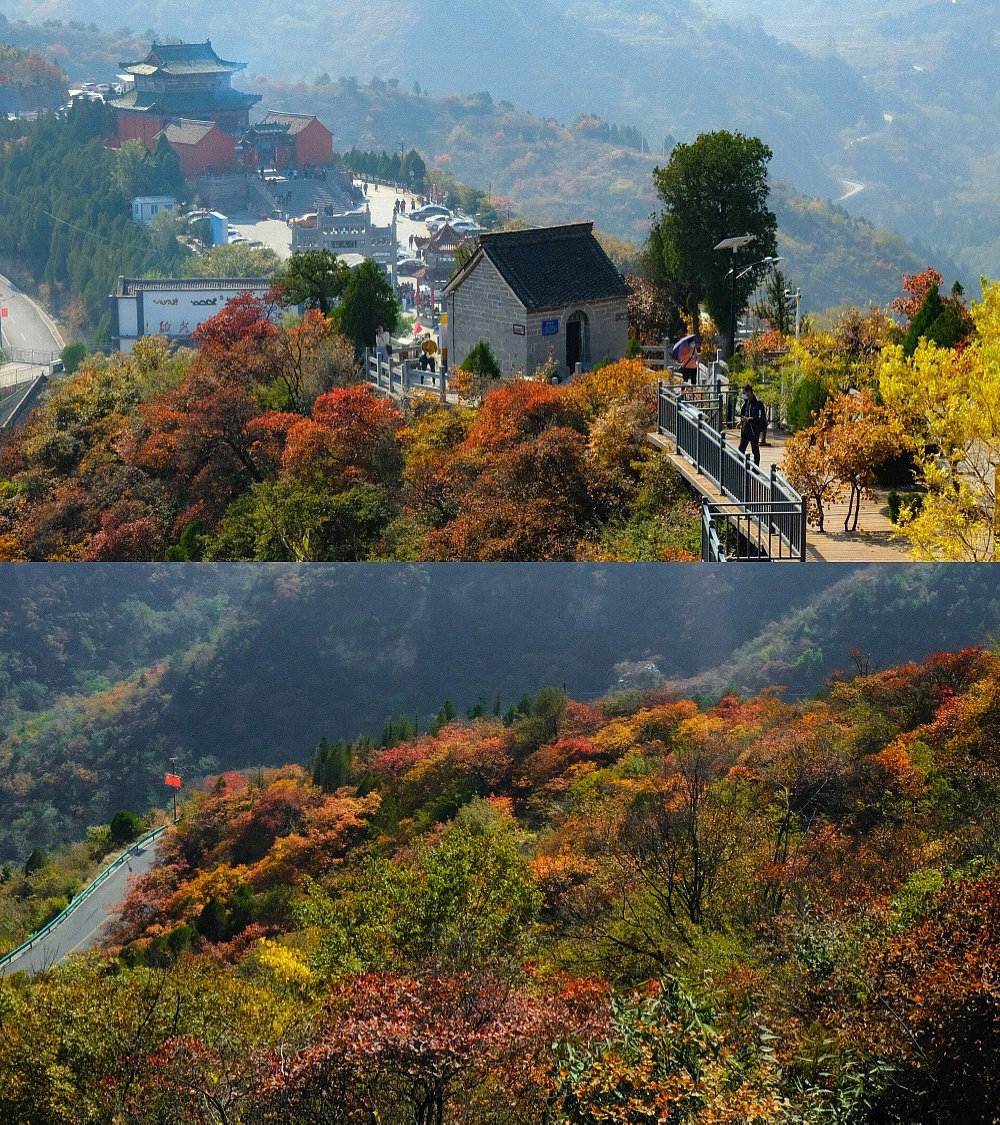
{"type": "Point", "coordinates": [465, 226]}
{"type": "Point", "coordinates": [429, 211]}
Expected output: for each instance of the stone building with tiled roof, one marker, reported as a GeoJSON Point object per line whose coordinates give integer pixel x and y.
{"type": "Point", "coordinates": [179, 80]}
{"type": "Point", "coordinates": [284, 140]}
{"type": "Point", "coordinates": [536, 294]}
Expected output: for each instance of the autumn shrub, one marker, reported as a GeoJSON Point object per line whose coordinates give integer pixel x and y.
{"type": "Point", "coordinates": [738, 908]}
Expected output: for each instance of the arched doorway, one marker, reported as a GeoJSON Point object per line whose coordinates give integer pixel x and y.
{"type": "Point", "coordinates": [577, 340]}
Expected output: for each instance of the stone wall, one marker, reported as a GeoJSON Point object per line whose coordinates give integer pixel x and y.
{"type": "Point", "coordinates": [222, 193]}
{"type": "Point", "coordinates": [608, 323]}
{"type": "Point", "coordinates": [484, 308]}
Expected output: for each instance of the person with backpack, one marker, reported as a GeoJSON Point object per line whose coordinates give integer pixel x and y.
{"type": "Point", "coordinates": [753, 418]}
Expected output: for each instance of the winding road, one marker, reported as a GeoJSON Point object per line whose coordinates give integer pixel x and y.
{"type": "Point", "coordinates": [30, 336]}
{"type": "Point", "coordinates": [84, 927]}
{"type": "Point", "coordinates": [854, 187]}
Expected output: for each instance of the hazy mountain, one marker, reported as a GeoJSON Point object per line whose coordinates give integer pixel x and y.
{"type": "Point", "coordinates": [107, 672]}
{"type": "Point", "coordinates": [561, 172]}
{"type": "Point", "coordinates": [898, 101]}
{"type": "Point", "coordinates": [895, 98]}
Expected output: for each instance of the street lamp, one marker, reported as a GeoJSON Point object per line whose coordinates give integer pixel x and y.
{"type": "Point", "coordinates": [734, 244]}
{"type": "Point", "coordinates": [768, 261]}
{"type": "Point", "coordinates": [795, 295]}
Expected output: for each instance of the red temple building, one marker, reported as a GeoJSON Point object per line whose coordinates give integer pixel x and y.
{"type": "Point", "coordinates": [289, 140]}
{"type": "Point", "coordinates": [180, 82]}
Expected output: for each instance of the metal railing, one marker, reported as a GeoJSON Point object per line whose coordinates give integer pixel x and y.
{"type": "Point", "coordinates": [759, 531]}
{"type": "Point", "coordinates": [83, 895]}
{"type": "Point", "coordinates": [39, 357]}
{"type": "Point", "coordinates": [17, 399]}
{"type": "Point", "coordinates": [399, 377]}
{"type": "Point", "coordinates": [695, 417]}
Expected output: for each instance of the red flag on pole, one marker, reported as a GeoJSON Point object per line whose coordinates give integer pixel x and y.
{"type": "Point", "coordinates": [173, 780]}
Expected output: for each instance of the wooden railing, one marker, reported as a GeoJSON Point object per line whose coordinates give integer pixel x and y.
{"type": "Point", "coordinates": [399, 377]}
{"type": "Point", "coordinates": [762, 499]}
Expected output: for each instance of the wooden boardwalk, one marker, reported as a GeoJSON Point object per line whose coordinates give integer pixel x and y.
{"type": "Point", "coordinates": [875, 540]}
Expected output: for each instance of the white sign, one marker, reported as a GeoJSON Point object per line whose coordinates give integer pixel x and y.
{"type": "Point", "coordinates": [178, 312]}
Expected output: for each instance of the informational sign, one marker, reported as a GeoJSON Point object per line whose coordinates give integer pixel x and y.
{"type": "Point", "coordinates": [518, 329]}
{"type": "Point", "coordinates": [178, 312]}
{"type": "Point", "coordinates": [550, 327]}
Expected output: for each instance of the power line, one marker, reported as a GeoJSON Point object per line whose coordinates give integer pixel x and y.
{"type": "Point", "coordinates": [73, 226]}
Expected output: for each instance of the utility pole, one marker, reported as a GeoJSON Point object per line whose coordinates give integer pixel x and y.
{"type": "Point", "coordinates": [173, 770]}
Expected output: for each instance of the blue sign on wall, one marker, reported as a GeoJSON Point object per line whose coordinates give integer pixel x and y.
{"type": "Point", "coordinates": [550, 327]}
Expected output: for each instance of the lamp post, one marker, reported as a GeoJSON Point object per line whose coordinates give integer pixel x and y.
{"type": "Point", "coordinates": [734, 245]}
{"type": "Point", "coordinates": [795, 295]}
{"type": "Point", "coordinates": [770, 262]}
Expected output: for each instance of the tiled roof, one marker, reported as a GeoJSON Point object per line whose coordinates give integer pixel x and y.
{"type": "Point", "coordinates": [183, 58]}
{"type": "Point", "coordinates": [549, 267]}
{"type": "Point", "coordinates": [184, 103]}
{"type": "Point", "coordinates": [185, 131]}
{"type": "Point", "coordinates": [445, 239]}
{"type": "Point", "coordinates": [268, 129]}
{"type": "Point", "coordinates": [129, 286]}
{"type": "Point", "coordinates": [295, 122]}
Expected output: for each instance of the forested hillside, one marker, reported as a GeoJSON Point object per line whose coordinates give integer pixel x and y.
{"type": "Point", "coordinates": [546, 170]}
{"type": "Point", "coordinates": [639, 909]}
{"type": "Point", "coordinates": [28, 81]}
{"type": "Point", "coordinates": [65, 227]}
{"type": "Point", "coordinates": [554, 171]}
{"type": "Point", "coordinates": [895, 98]}
{"type": "Point", "coordinates": [108, 673]}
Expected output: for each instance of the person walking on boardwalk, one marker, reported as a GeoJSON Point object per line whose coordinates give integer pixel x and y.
{"type": "Point", "coordinates": [751, 422]}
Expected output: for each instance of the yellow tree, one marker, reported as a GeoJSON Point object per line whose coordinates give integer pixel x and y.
{"type": "Point", "coordinates": [951, 400]}
{"type": "Point", "coordinates": [852, 437]}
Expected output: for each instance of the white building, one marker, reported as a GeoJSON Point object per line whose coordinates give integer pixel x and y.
{"type": "Point", "coordinates": [146, 207]}
{"type": "Point", "coordinates": [173, 307]}
{"type": "Point", "coordinates": [346, 232]}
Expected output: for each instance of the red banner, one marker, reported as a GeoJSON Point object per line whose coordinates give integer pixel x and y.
{"type": "Point", "coordinates": [173, 780]}
{"type": "Point", "coordinates": [3, 311]}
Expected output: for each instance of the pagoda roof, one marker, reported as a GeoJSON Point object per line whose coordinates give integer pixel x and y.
{"type": "Point", "coordinates": [182, 59]}
{"type": "Point", "coordinates": [185, 103]}
{"type": "Point", "coordinates": [268, 129]}
{"type": "Point", "coordinates": [446, 239]}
